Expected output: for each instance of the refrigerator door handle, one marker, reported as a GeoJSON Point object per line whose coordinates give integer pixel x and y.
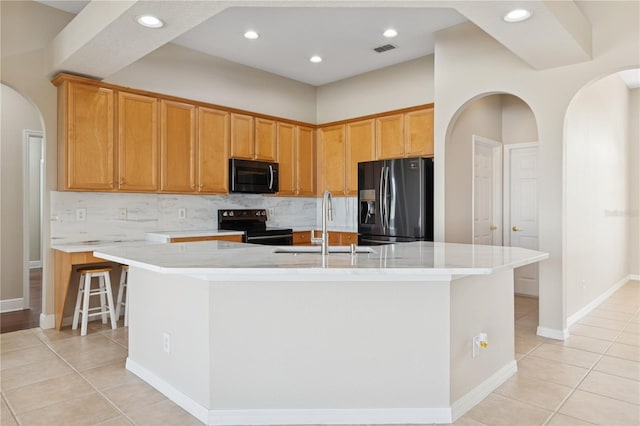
{"type": "Point", "coordinates": [386, 196]}
{"type": "Point", "coordinates": [381, 196]}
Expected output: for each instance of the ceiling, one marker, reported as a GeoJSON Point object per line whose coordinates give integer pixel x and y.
{"type": "Point", "coordinates": [103, 37]}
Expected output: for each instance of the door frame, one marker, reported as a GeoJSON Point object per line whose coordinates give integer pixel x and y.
{"type": "Point", "coordinates": [26, 281]}
{"type": "Point", "coordinates": [506, 214]}
{"type": "Point", "coordinates": [498, 185]}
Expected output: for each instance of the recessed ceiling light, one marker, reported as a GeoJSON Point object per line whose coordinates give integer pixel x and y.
{"type": "Point", "coordinates": [390, 33]}
{"type": "Point", "coordinates": [251, 35]}
{"type": "Point", "coordinates": [517, 15]}
{"type": "Point", "coordinates": [315, 59]}
{"type": "Point", "coordinates": [149, 21]}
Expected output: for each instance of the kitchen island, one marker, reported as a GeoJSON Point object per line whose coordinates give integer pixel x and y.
{"type": "Point", "coordinates": [246, 334]}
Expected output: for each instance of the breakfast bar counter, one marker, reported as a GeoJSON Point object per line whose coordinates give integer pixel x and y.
{"type": "Point", "coordinates": [247, 334]}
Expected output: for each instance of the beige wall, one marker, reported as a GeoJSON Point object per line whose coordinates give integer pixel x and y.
{"type": "Point", "coordinates": [596, 149]}
{"type": "Point", "coordinates": [27, 27]}
{"type": "Point", "coordinates": [183, 72]}
{"type": "Point", "coordinates": [482, 117]}
{"type": "Point", "coordinates": [399, 86]}
{"type": "Point", "coordinates": [470, 63]}
{"type": "Point", "coordinates": [634, 182]}
{"type": "Point", "coordinates": [17, 114]}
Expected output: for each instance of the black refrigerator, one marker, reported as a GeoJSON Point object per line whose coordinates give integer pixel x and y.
{"type": "Point", "coordinates": [395, 201]}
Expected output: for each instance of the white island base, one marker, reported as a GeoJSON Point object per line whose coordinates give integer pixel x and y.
{"type": "Point", "coordinates": [344, 343]}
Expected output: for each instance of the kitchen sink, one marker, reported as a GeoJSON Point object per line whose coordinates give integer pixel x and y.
{"type": "Point", "coordinates": [317, 249]}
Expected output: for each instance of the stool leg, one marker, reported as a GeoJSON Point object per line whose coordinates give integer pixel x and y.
{"type": "Point", "coordinates": [123, 283]}
{"type": "Point", "coordinates": [76, 312]}
{"type": "Point", "coordinates": [126, 307]}
{"type": "Point", "coordinates": [110, 301]}
{"type": "Point", "coordinates": [85, 304]}
{"type": "Point", "coordinates": [102, 300]}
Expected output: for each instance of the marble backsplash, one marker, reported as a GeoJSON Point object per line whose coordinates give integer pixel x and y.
{"type": "Point", "coordinates": [159, 212]}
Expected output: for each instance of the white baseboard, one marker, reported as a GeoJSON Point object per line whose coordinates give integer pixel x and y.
{"type": "Point", "coordinates": [35, 264]}
{"type": "Point", "coordinates": [11, 305]}
{"type": "Point", "coordinates": [291, 416]}
{"type": "Point", "coordinates": [553, 333]}
{"type": "Point", "coordinates": [597, 301]}
{"type": "Point", "coordinates": [47, 321]}
{"type": "Point", "coordinates": [634, 277]}
{"type": "Point", "coordinates": [484, 389]}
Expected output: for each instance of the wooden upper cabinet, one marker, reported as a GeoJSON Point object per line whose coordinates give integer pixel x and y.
{"type": "Point", "coordinates": [177, 142]}
{"type": "Point", "coordinates": [389, 136]}
{"type": "Point", "coordinates": [286, 159]}
{"type": "Point", "coordinates": [137, 142]}
{"type": "Point", "coordinates": [361, 146]}
{"type": "Point", "coordinates": [213, 151]}
{"type": "Point", "coordinates": [86, 142]}
{"type": "Point", "coordinates": [418, 133]}
{"type": "Point", "coordinates": [331, 159]}
{"type": "Point", "coordinates": [242, 136]}
{"type": "Point", "coordinates": [265, 134]}
{"type": "Point", "coordinates": [305, 161]}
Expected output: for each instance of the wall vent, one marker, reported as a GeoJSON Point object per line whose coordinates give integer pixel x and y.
{"type": "Point", "coordinates": [384, 48]}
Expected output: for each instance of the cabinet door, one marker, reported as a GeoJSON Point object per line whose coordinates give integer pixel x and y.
{"type": "Point", "coordinates": [137, 142]}
{"type": "Point", "coordinates": [213, 151]}
{"type": "Point", "coordinates": [305, 162]}
{"type": "Point", "coordinates": [331, 161]}
{"type": "Point", "coordinates": [287, 159]}
{"type": "Point", "coordinates": [302, 238]}
{"type": "Point", "coordinates": [177, 141]}
{"type": "Point", "coordinates": [389, 136]}
{"type": "Point", "coordinates": [418, 133]}
{"type": "Point", "coordinates": [265, 135]}
{"type": "Point", "coordinates": [242, 137]}
{"type": "Point", "coordinates": [361, 146]}
{"type": "Point", "coordinates": [348, 238]}
{"type": "Point", "coordinates": [87, 130]}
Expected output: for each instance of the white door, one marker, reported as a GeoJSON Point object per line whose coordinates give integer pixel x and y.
{"type": "Point", "coordinates": [487, 191]}
{"type": "Point", "coordinates": [521, 209]}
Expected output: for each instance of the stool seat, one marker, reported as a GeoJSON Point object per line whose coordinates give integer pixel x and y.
{"type": "Point", "coordinates": [85, 291]}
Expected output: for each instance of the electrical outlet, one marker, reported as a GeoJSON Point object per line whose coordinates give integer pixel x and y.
{"type": "Point", "coordinates": [122, 213]}
{"type": "Point", "coordinates": [166, 342]}
{"type": "Point", "coordinates": [270, 212]}
{"type": "Point", "coordinates": [182, 213]}
{"type": "Point", "coordinates": [81, 215]}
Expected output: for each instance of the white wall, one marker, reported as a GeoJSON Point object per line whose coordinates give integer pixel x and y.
{"type": "Point", "coordinates": [633, 167]}
{"type": "Point", "coordinates": [597, 189]}
{"type": "Point", "coordinates": [17, 115]}
{"type": "Point", "coordinates": [470, 63]}
{"type": "Point", "coordinates": [399, 86]}
{"type": "Point", "coordinates": [178, 71]}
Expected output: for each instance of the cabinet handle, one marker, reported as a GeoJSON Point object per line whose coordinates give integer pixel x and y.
{"type": "Point", "coordinates": [201, 186]}
{"type": "Point", "coordinates": [121, 182]}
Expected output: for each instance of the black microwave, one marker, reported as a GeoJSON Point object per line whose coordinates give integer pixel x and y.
{"type": "Point", "coordinates": [253, 177]}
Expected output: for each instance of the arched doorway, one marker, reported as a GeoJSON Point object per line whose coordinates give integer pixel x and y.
{"type": "Point", "coordinates": [491, 190]}
{"type": "Point", "coordinates": [22, 206]}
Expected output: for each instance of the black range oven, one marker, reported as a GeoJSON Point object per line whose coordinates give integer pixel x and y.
{"type": "Point", "coordinates": [254, 224]}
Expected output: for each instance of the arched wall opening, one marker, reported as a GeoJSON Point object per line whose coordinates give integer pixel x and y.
{"type": "Point", "coordinates": [601, 231]}
{"type": "Point", "coordinates": [500, 117]}
{"type": "Point", "coordinates": [22, 202]}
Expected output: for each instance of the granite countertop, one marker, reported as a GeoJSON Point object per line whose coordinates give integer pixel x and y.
{"type": "Point", "coordinates": [89, 246]}
{"type": "Point", "coordinates": [222, 260]}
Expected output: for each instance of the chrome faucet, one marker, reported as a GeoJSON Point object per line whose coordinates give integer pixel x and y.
{"type": "Point", "coordinates": [327, 211]}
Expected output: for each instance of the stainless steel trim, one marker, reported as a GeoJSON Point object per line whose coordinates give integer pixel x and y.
{"type": "Point", "coordinates": [270, 176]}
{"type": "Point", "coordinates": [380, 195]}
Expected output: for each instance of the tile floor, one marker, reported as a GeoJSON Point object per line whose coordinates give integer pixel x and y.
{"type": "Point", "coordinates": [59, 378]}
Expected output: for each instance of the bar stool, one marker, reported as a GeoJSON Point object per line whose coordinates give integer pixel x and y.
{"type": "Point", "coordinates": [124, 275]}
{"type": "Point", "coordinates": [85, 292]}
